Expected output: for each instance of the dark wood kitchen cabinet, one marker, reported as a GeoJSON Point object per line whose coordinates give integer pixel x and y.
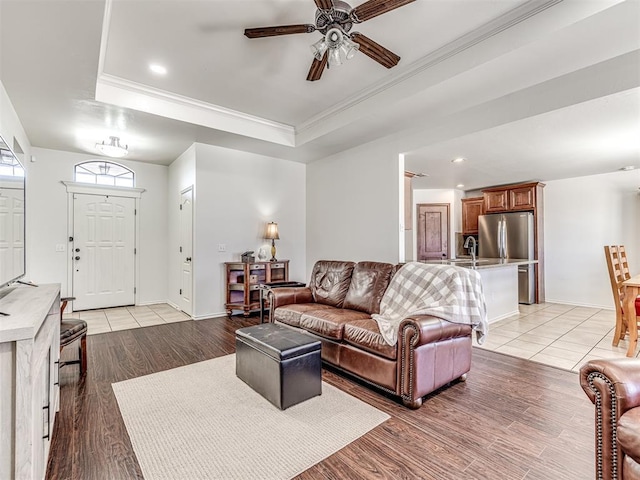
{"type": "Point", "coordinates": [472, 208]}
{"type": "Point", "coordinates": [512, 198]}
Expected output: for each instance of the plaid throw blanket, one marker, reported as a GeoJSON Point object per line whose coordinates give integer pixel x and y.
{"type": "Point", "coordinates": [444, 291]}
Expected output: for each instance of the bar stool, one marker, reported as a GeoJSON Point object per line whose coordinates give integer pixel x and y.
{"type": "Point", "coordinates": [72, 329]}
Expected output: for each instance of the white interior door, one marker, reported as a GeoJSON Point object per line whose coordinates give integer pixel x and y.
{"type": "Point", "coordinates": [103, 251]}
{"type": "Point", "coordinates": [11, 231]}
{"type": "Point", "coordinates": [186, 251]}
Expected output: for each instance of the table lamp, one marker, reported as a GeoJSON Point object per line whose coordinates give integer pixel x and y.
{"type": "Point", "coordinates": [272, 234]}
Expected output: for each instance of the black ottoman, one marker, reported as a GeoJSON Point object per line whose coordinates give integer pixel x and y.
{"type": "Point", "coordinates": [281, 364]}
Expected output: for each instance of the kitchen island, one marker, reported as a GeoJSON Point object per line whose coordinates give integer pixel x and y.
{"type": "Point", "coordinates": [499, 282]}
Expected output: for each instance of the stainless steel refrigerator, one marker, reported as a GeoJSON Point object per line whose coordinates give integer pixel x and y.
{"type": "Point", "coordinates": [510, 235]}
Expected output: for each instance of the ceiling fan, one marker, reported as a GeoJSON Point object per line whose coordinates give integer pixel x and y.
{"type": "Point", "coordinates": [334, 19]}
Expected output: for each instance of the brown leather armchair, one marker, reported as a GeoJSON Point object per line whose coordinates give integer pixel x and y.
{"type": "Point", "coordinates": [613, 386]}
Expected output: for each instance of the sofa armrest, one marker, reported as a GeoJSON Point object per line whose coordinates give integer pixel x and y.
{"type": "Point", "coordinates": [431, 353]}
{"type": "Point", "coordinates": [613, 386]}
{"type": "Point", "coordinates": [430, 329]}
{"type": "Point", "coordinates": [287, 296]}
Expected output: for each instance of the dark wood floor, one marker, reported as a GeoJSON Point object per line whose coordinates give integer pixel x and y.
{"type": "Point", "coordinates": [512, 419]}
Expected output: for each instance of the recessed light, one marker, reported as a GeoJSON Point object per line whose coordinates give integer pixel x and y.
{"type": "Point", "coordinates": [628, 168]}
{"type": "Point", "coordinates": [157, 69]}
{"type": "Point", "coordinates": [458, 160]}
{"type": "Point", "coordinates": [460, 185]}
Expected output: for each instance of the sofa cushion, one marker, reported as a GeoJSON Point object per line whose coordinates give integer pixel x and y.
{"type": "Point", "coordinates": [369, 281]}
{"type": "Point", "coordinates": [329, 322]}
{"type": "Point", "coordinates": [290, 314]}
{"type": "Point", "coordinates": [366, 335]}
{"type": "Point", "coordinates": [330, 281]}
{"type": "Point", "coordinates": [629, 433]}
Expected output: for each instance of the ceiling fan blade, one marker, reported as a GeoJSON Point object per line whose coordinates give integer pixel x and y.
{"type": "Point", "coordinates": [373, 8]}
{"type": "Point", "coordinates": [324, 4]}
{"type": "Point", "coordinates": [377, 52]}
{"type": "Point", "coordinates": [280, 30]}
{"type": "Point", "coordinates": [317, 67]}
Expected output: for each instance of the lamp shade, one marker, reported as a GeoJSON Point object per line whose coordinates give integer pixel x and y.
{"type": "Point", "coordinates": [272, 231]}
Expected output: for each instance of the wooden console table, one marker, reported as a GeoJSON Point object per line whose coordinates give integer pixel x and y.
{"type": "Point", "coordinates": [243, 282]}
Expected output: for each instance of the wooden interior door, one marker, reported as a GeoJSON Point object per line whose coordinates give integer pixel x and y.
{"type": "Point", "coordinates": [432, 231]}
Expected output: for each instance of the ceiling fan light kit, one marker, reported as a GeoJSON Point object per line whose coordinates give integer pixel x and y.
{"type": "Point", "coordinates": [334, 19]}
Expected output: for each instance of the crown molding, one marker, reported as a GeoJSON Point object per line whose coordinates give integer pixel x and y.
{"type": "Point", "coordinates": [128, 94]}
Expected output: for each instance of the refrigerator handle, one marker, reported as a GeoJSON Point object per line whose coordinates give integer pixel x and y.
{"type": "Point", "coordinates": [499, 239]}
{"type": "Point", "coordinates": [504, 239]}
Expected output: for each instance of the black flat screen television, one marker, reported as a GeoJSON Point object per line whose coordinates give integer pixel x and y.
{"type": "Point", "coordinates": [12, 216]}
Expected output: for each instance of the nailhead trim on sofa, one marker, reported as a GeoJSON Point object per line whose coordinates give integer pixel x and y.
{"type": "Point", "coordinates": [614, 425]}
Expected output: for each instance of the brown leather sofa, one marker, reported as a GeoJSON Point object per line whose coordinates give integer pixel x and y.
{"type": "Point", "coordinates": [613, 386]}
{"type": "Point", "coordinates": [336, 307]}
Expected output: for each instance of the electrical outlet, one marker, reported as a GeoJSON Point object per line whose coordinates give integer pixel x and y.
{"type": "Point", "coordinates": [59, 247]}
{"type": "Point", "coordinates": [222, 247]}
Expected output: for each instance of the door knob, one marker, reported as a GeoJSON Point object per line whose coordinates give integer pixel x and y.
{"type": "Point", "coordinates": [77, 257]}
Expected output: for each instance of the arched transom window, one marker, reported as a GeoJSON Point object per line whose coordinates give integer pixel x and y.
{"type": "Point", "coordinates": [100, 172]}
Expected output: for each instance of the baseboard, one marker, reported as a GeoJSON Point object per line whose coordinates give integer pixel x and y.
{"type": "Point", "coordinates": [506, 315]}
{"type": "Point", "coordinates": [587, 305]}
{"type": "Point", "coordinates": [210, 315]}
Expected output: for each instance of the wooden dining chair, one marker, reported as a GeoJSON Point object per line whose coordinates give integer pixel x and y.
{"type": "Point", "coordinates": [72, 329]}
{"type": "Point", "coordinates": [619, 272]}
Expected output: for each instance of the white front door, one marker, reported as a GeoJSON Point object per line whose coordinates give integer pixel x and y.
{"type": "Point", "coordinates": [103, 251]}
{"type": "Point", "coordinates": [186, 251]}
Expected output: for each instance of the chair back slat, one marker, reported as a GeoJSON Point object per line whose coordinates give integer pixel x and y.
{"type": "Point", "coordinates": [618, 271]}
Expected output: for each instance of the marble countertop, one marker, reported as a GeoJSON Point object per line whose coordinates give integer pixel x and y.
{"type": "Point", "coordinates": [482, 263]}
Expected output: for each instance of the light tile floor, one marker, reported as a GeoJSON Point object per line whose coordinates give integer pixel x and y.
{"type": "Point", "coordinates": [563, 336]}
{"type": "Point", "coordinates": [124, 318]}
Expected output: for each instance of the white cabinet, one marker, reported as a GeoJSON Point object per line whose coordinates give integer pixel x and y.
{"type": "Point", "coordinates": [29, 392]}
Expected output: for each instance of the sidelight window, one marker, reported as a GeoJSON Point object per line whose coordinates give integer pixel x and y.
{"type": "Point", "coordinates": [99, 172]}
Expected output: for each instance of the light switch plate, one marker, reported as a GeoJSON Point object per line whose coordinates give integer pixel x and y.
{"type": "Point", "coordinates": [59, 247]}
{"type": "Point", "coordinates": [222, 247]}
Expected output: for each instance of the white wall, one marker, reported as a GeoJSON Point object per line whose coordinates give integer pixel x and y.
{"type": "Point", "coordinates": [451, 197]}
{"type": "Point", "coordinates": [182, 175]}
{"type": "Point", "coordinates": [353, 206]}
{"type": "Point", "coordinates": [581, 216]}
{"type": "Point", "coordinates": [236, 195]}
{"type": "Point", "coordinates": [47, 221]}
{"type": "Point", "coordinates": [11, 128]}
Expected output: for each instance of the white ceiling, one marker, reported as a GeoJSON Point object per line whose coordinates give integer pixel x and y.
{"type": "Point", "coordinates": [525, 90]}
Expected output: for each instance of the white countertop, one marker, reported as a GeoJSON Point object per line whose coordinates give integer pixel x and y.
{"type": "Point", "coordinates": [25, 304]}
{"type": "Point", "coordinates": [482, 263]}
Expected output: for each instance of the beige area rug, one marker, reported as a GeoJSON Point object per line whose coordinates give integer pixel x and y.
{"type": "Point", "coordinates": [202, 422]}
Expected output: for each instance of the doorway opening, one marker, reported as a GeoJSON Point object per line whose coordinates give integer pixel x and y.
{"type": "Point", "coordinates": [102, 251]}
